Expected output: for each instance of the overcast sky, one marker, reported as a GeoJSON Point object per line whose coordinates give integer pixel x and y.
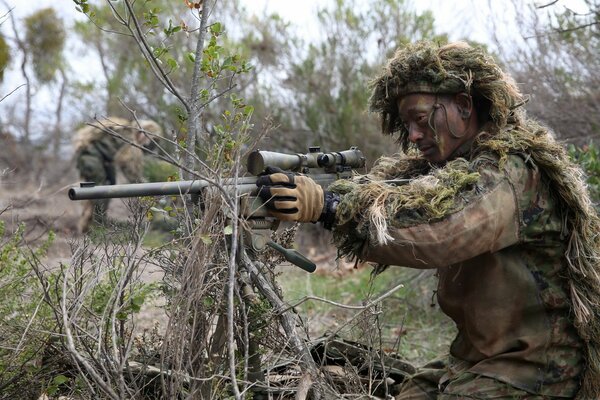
{"type": "Point", "coordinates": [459, 18]}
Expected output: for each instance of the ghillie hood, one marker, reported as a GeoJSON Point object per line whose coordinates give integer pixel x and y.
{"type": "Point", "coordinates": [89, 133]}
{"type": "Point", "coordinates": [426, 67]}
{"type": "Point", "coordinates": [127, 129]}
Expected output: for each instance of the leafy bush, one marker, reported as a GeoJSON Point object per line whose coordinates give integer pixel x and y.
{"type": "Point", "coordinates": [25, 319]}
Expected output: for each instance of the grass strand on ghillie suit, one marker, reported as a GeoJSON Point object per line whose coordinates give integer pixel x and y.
{"type": "Point", "coordinates": [583, 251]}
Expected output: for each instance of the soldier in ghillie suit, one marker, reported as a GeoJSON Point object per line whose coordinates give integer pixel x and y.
{"type": "Point", "coordinates": [495, 205]}
{"type": "Point", "coordinates": [103, 147]}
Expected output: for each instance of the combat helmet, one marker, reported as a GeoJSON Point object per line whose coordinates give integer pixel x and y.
{"type": "Point", "coordinates": [427, 67]}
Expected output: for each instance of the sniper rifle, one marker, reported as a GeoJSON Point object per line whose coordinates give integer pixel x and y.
{"type": "Point", "coordinates": [323, 167]}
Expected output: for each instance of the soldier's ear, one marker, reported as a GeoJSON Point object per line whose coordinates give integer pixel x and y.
{"type": "Point", "coordinates": [464, 104]}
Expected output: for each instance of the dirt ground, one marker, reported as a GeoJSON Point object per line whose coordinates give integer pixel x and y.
{"type": "Point", "coordinates": [42, 207]}
{"type": "Point", "coordinates": [42, 204]}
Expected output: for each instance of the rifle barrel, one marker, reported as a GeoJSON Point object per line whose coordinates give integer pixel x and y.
{"type": "Point", "coordinates": [177, 188]}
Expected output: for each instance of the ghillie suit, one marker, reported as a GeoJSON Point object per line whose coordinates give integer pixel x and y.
{"type": "Point", "coordinates": [556, 220]}
{"type": "Point", "coordinates": [99, 154]}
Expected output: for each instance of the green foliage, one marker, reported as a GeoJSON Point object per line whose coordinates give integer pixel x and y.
{"type": "Point", "coordinates": [172, 43]}
{"type": "Point", "coordinates": [230, 133]}
{"type": "Point", "coordinates": [16, 275]}
{"type": "Point", "coordinates": [129, 80]}
{"type": "Point", "coordinates": [4, 56]}
{"type": "Point", "coordinates": [82, 6]}
{"type": "Point", "coordinates": [45, 36]}
{"type": "Point", "coordinates": [55, 384]}
{"type": "Point", "coordinates": [216, 59]}
{"type": "Point", "coordinates": [588, 157]}
{"type": "Point", "coordinates": [25, 319]}
{"type": "Point", "coordinates": [159, 171]}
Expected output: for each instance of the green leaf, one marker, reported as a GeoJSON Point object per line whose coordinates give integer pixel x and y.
{"type": "Point", "coordinates": [137, 302]}
{"type": "Point", "coordinates": [191, 56]}
{"type": "Point", "coordinates": [228, 230]}
{"type": "Point", "coordinates": [172, 63]}
{"type": "Point", "coordinates": [60, 379]}
{"type": "Point", "coordinates": [206, 239]}
{"type": "Point", "coordinates": [216, 28]}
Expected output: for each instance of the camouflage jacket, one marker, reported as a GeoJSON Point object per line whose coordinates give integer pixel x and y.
{"type": "Point", "coordinates": [114, 152]}
{"type": "Point", "coordinates": [500, 260]}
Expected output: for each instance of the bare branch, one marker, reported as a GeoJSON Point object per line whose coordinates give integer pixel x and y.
{"type": "Point", "coordinates": [547, 5]}
{"type": "Point", "coordinates": [12, 91]}
{"type": "Point", "coordinates": [346, 306]}
{"type": "Point", "coordinates": [146, 50]}
{"type": "Point", "coordinates": [194, 111]}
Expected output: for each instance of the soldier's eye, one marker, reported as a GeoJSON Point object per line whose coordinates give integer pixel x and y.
{"type": "Point", "coordinates": [421, 119]}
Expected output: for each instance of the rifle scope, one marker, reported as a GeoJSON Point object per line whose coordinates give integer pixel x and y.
{"type": "Point", "coordinates": [258, 160]}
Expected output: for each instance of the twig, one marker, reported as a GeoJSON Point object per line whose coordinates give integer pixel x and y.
{"type": "Point", "coordinates": [231, 291]}
{"type": "Point", "coordinates": [288, 323]}
{"type": "Point", "coordinates": [547, 5]}
{"type": "Point", "coordinates": [12, 91]}
{"type": "Point", "coordinates": [73, 350]}
{"type": "Point", "coordinates": [145, 47]}
{"type": "Point", "coordinates": [348, 307]}
{"type": "Point", "coordinates": [194, 111]}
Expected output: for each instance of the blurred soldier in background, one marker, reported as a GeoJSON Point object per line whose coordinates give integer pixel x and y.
{"type": "Point", "coordinates": [102, 149]}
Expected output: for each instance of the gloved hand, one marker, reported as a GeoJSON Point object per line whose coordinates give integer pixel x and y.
{"type": "Point", "coordinates": [290, 197]}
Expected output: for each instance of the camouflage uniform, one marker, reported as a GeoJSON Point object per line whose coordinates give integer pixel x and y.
{"type": "Point", "coordinates": [506, 222]}
{"type": "Point", "coordinates": [98, 155]}
{"type": "Point", "coordinates": [499, 261]}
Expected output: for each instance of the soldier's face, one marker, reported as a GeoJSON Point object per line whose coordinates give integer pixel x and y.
{"type": "Point", "coordinates": [435, 124]}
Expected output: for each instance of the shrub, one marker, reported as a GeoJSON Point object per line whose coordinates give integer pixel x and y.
{"type": "Point", "coordinates": [25, 318]}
